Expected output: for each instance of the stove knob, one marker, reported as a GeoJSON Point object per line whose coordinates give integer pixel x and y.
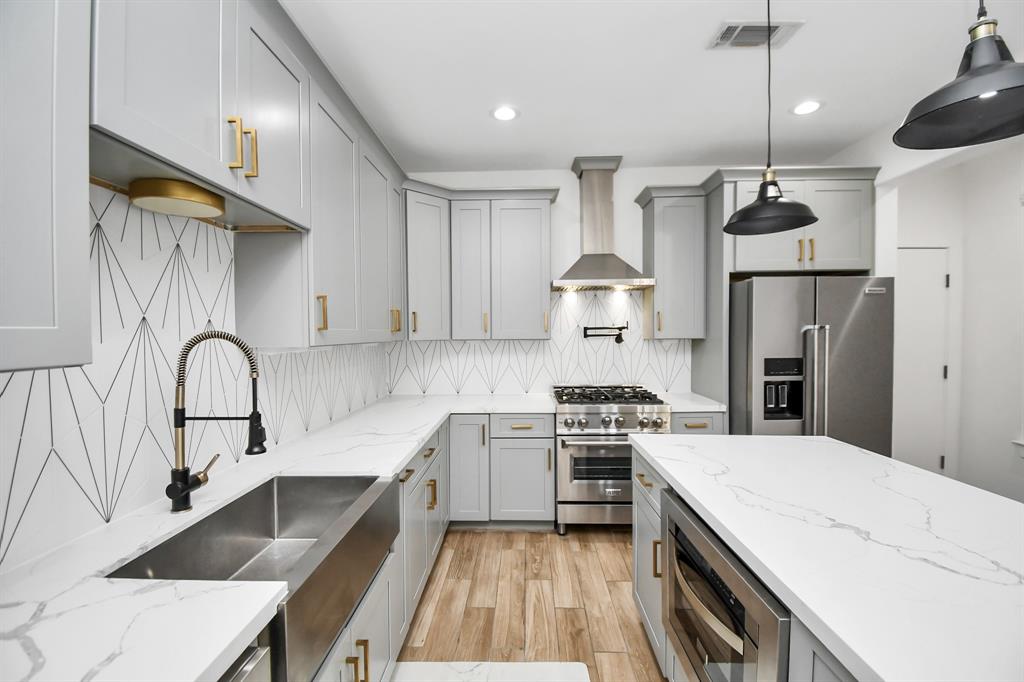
{"type": "Point", "coordinates": [643, 422]}
{"type": "Point", "coordinates": [619, 421]}
{"type": "Point", "coordinates": [606, 421]}
{"type": "Point", "coordinates": [569, 422]}
{"type": "Point", "coordinates": [658, 422]}
{"type": "Point", "coordinates": [583, 421]}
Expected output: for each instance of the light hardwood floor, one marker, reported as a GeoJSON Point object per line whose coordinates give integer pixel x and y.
{"type": "Point", "coordinates": [498, 595]}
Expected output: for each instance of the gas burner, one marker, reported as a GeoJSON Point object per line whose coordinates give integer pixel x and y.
{"type": "Point", "coordinates": [611, 395]}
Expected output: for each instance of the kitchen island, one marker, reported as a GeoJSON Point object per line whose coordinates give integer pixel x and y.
{"type": "Point", "coordinates": [901, 573]}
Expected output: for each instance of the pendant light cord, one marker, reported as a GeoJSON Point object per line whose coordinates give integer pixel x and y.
{"type": "Point", "coordinates": [769, 83]}
{"type": "Point", "coordinates": [982, 12]}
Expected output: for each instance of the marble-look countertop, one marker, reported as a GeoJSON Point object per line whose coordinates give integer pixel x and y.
{"type": "Point", "coordinates": [691, 402]}
{"type": "Point", "coordinates": [61, 619]}
{"type": "Point", "coordinates": [903, 574]}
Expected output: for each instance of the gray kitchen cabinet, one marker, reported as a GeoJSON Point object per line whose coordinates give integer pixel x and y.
{"type": "Point", "coordinates": [810, 660]}
{"type": "Point", "coordinates": [428, 239]}
{"type": "Point", "coordinates": [374, 291]}
{"type": "Point", "coordinates": [844, 236]}
{"type": "Point", "coordinates": [520, 269]}
{"type": "Point", "coordinates": [44, 190]}
{"type": "Point", "coordinates": [647, 572]}
{"type": "Point", "coordinates": [414, 529]}
{"type": "Point", "coordinates": [444, 480]}
{"type": "Point", "coordinates": [396, 265]}
{"type": "Point", "coordinates": [471, 269]}
{"type": "Point", "coordinates": [674, 253]}
{"type": "Point", "coordinates": [765, 252]}
{"type": "Point", "coordinates": [698, 423]}
{"type": "Point", "coordinates": [435, 514]}
{"type": "Point", "coordinates": [522, 479]}
{"type": "Point", "coordinates": [334, 241]}
{"type": "Point", "coordinates": [335, 668]}
{"type": "Point", "coordinates": [470, 467]}
{"type": "Point", "coordinates": [164, 80]}
{"type": "Point", "coordinates": [273, 102]}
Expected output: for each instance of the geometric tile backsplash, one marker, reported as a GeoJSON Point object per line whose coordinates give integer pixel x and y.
{"type": "Point", "coordinates": [80, 446]}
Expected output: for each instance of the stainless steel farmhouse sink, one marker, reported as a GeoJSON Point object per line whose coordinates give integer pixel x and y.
{"type": "Point", "coordinates": [325, 536]}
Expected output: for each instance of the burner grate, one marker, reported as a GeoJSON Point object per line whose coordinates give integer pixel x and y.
{"type": "Point", "coordinates": [612, 395]}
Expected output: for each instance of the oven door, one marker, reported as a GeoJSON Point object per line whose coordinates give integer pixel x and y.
{"type": "Point", "coordinates": [594, 469]}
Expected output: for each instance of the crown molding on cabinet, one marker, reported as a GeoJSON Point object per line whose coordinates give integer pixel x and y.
{"type": "Point", "coordinates": [547, 194]}
{"type": "Point", "coordinates": [665, 191]}
{"type": "Point", "coordinates": [784, 173]}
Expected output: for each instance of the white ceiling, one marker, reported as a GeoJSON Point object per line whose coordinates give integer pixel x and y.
{"type": "Point", "coordinates": [633, 77]}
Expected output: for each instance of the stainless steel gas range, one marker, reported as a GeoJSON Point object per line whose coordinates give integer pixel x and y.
{"type": "Point", "coordinates": [593, 423]}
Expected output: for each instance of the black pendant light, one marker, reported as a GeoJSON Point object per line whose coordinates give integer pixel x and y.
{"type": "Point", "coordinates": [770, 212]}
{"type": "Point", "coordinates": [984, 103]}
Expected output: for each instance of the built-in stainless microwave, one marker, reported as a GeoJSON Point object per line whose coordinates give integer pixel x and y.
{"type": "Point", "coordinates": [716, 613]}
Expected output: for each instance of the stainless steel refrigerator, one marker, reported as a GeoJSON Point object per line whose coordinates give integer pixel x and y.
{"type": "Point", "coordinates": [813, 356]}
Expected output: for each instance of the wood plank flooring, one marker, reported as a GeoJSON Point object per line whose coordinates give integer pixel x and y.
{"type": "Point", "coordinates": [500, 595]}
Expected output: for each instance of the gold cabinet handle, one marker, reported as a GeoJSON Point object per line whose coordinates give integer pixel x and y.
{"type": "Point", "coordinates": [354, 662]}
{"type": "Point", "coordinates": [414, 322]}
{"type": "Point", "coordinates": [406, 476]}
{"type": "Point", "coordinates": [800, 257]}
{"type": "Point", "coordinates": [323, 312]}
{"type": "Point", "coordinates": [429, 453]}
{"type": "Point", "coordinates": [433, 495]}
{"type": "Point", "coordinates": [236, 121]}
{"type": "Point", "coordinates": [643, 481]}
{"type": "Point", "coordinates": [811, 240]}
{"type": "Point", "coordinates": [547, 319]}
{"type": "Point", "coordinates": [486, 323]}
{"type": "Point", "coordinates": [549, 459]}
{"type": "Point", "coordinates": [483, 434]}
{"type": "Point", "coordinates": [396, 320]}
{"type": "Point", "coordinates": [364, 644]}
{"type": "Point", "coordinates": [695, 425]}
{"type": "Point", "coordinates": [654, 550]}
{"type": "Point", "coordinates": [254, 153]}
{"type": "Point", "coordinates": [521, 427]}
{"type": "Point", "coordinates": [659, 320]}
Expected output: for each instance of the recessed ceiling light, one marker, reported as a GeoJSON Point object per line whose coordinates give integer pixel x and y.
{"type": "Point", "coordinates": [504, 113]}
{"type": "Point", "coordinates": [806, 107]}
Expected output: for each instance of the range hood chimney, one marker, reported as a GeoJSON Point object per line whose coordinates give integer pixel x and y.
{"type": "Point", "coordinates": [598, 267]}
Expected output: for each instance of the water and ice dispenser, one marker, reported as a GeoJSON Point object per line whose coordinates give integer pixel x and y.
{"type": "Point", "coordinates": [784, 388]}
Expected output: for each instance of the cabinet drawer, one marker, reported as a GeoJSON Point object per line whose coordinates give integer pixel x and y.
{"type": "Point", "coordinates": [419, 464]}
{"type": "Point", "coordinates": [522, 426]}
{"type": "Point", "coordinates": [648, 481]}
{"type": "Point", "coordinates": [697, 423]}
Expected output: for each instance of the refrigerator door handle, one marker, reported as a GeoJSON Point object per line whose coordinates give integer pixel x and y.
{"type": "Point", "coordinates": [810, 336]}
{"type": "Point", "coordinates": [824, 400]}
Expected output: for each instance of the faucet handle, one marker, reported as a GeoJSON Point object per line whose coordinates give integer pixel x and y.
{"type": "Point", "coordinates": [203, 476]}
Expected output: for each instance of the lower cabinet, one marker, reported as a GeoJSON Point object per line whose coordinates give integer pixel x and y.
{"type": "Point", "coordinates": [414, 528]}
{"type": "Point", "coordinates": [647, 572]}
{"type": "Point", "coordinates": [522, 479]}
{"type": "Point", "coordinates": [698, 423]}
{"type": "Point", "coordinates": [810, 660]}
{"type": "Point", "coordinates": [470, 468]}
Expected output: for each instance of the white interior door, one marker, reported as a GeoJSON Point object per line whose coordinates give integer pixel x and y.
{"type": "Point", "coordinates": [921, 342]}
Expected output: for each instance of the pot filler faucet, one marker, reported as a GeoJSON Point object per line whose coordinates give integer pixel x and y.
{"type": "Point", "coordinates": [182, 481]}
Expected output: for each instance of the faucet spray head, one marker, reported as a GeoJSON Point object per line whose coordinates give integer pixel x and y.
{"type": "Point", "coordinates": [257, 435]}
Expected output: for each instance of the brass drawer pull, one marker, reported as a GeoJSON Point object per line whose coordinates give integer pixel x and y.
{"type": "Point", "coordinates": [696, 425]}
{"type": "Point", "coordinates": [396, 320]}
{"type": "Point", "coordinates": [549, 459]}
{"type": "Point", "coordinates": [654, 548]}
{"type": "Point", "coordinates": [521, 427]}
{"type": "Point", "coordinates": [364, 644]}
{"type": "Point", "coordinates": [254, 153]}
{"type": "Point", "coordinates": [487, 323]}
{"type": "Point", "coordinates": [323, 312]}
{"type": "Point", "coordinates": [811, 240]}
{"type": "Point", "coordinates": [483, 434]}
{"type": "Point", "coordinates": [643, 481]}
{"type": "Point", "coordinates": [546, 320]}
{"type": "Point", "coordinates": [414, 326]}
{"type": "Point", "coordinates": [800, 258]}
{"type": "Point", "coordinates": [429, 453]}
{"type": "Point", "coordinates": [354, 662]}
{"type": "Point", "coordinates": [406, 476]}
{"type": "Point", "coordinates": [432, 505]}
{"type": "Point", "coordinates": [659, 320]}
{"type": "Point", "coordinates": [236, 121]}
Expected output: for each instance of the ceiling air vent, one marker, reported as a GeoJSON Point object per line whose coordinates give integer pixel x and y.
{"type": "Point", "coordinates": [754, 33]}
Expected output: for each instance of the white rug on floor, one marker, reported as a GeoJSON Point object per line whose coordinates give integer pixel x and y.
{"type": "Point", "coordinates": [490, 672]}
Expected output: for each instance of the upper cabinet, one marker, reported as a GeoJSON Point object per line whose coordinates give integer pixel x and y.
{"type": "Point", "coordinates": [521, 268]}
{"type": "Point", "coordinates": [273, 101]}
{"type": "Point", "coordinates": [776, 251]}
{"type": "Point", "coordinates": [374, 294]}
{"type": "Point", "coordinates": [674, 253]}
{"type": "Point", "coordinates": [396, 263]}
{"type": "Point", "coordinates": [471, 269]}
{"type": "Point", "coordinates": [428, 229]}
{"type": "Point", "coordinates": [44, 175]}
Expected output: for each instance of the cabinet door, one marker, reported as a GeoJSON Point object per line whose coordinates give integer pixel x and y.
{"type": "Point", "coordinates": [273, 98]}
{"type": "Point", "coordinates": [335, 667]}
{"type": "Point", "coordinates": [444, 482]}
{"type": "Point", "coordinates": [371, 630]}
{"type": "Point", "coordinates": [520, 269]}
{"type": "Point", "coordinates": [471, 269]}
{"type": "Point", "coordinates": [396, 598]}
{"type": "Point", "coordinates": [678, 253]}
{"type": "Point", "coordinates": [646, 572]}
{"type": "Point", "coordinates": [470, 468]}
{"type": "Point", "coordinates": [435, 514]}
{"type": "Point", "coordinates": [428, 239]}
{"type": "Point", "coordinates": [334, 240]}
{"type": "Point", "coordinates": [765, 252]}
{"type": "Point", "coordinates": [374, 296]}
{"type": "Point", "coordinates": [522, 479]}
{"type": "Point", "coordinates": [844, 236]}
{"type": "Point", "coordinates": [810, 660]}
{"type": "Point", "coordinates": [44, 184]}
{"type": "Point", "coordinates": [415, 532]}
{"type": "Point", "coordinates": [396, 264]}
{"type": "Point", "coordinates": [164, 80]}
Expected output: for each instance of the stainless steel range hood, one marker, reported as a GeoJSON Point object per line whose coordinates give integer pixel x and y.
{"type": "Point", "coordinates": [598, 267]}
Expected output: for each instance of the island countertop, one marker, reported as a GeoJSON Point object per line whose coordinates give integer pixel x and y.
{"type": "Point", "coordinates": [903, 574]}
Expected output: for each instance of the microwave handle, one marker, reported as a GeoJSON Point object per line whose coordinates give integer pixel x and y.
{"type": "Point", "coordinates": [704, 613]}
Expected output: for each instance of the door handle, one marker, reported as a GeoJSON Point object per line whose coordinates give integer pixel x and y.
{"type": "Point", "coordinates": [364, 644]}
{"type": "Point", "coordinates": [659, 320]}
{"type": "Point", "coordinates": [429, 453]}
{"type": "Point", "coordinates": [549, 459]}
{"type": "Point", "coordinates": [483, 434]}
{"type": "Point", "coordinates": [596, 443]}
{"type": "Point", "coordinates": [695, 425]}
{"type": "Point", "coordinates": [236, 121]}
{"type": "Point", "coordinates": [811, 241]}
{"type": "Point", "coordinates": [414, 329]}
{"type": "Point", "coordinates": [407, 474]}
{"type": "Point", "coordinates": [254, 153]}
{"type": "Point", "coordinates": [654, 551]}
{"type": "Point", "coordinates": [432, 505]}
{"type": "Point", "coordinates": [323, 312]}
{"type": "Point", "coordinates": [396, 320]}
{"type": "Point", "coordinates": [486, 323]}
{"type": "Point", "coordinates": [824, 399]}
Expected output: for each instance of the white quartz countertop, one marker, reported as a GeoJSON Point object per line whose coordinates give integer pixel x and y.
{"type": "Point", "coordinates": [60, 619]}
{"type": "Point", "coordinates": [691, 402]}
{"type": "Point", "coordinates": [903, 574]}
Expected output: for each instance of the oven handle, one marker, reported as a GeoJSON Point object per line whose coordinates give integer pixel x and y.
{"type": "Point", "coordinates": [704, 613]}
{"type": "Point", "coordinates": [594, 443]}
